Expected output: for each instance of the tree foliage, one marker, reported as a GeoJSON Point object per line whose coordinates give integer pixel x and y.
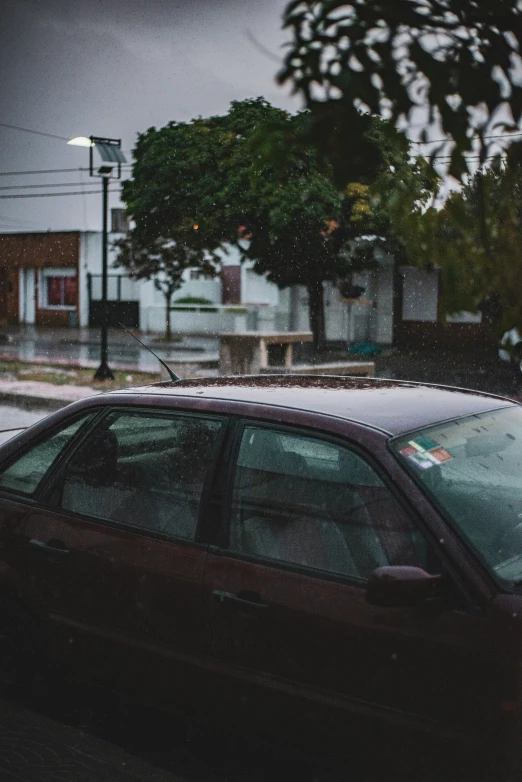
{"type": "Point", "coordinates": [162, 260]}
{"type": "Point", "coordinates": [254, 178]}
{"type": "Point", "coordinates": [475, 241]}
{"type": "Point", "coordinates": [304, 229]}
{"type": "Point", "coordinates": [461, 58]}
{"type": "Point", "coordinates": [194, 175]}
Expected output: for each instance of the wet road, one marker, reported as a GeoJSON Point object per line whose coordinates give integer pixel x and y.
{"type": "Point", "coordinates": [82, 347]}
{"type": "Point", "coordinates": [196, 753]}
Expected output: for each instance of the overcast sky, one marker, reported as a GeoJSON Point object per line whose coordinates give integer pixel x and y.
{"type": "Point", "coordinates": [115, 68]}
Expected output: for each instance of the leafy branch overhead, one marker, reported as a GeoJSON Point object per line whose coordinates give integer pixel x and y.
{"type": "Point", "coordinates": [460, 59]}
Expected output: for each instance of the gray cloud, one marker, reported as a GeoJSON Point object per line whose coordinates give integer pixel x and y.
{"type": "Point", "coordinates": [116, 67]}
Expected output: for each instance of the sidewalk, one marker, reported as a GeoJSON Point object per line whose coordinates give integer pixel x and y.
{"type": "Point", "coordinates": [35, 748]}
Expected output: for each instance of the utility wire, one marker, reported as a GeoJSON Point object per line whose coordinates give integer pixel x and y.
{"type": "Point", "coordinates": [48, 184]}
{"type": "Point", "coordinates": [52, 170]}
{"type": "Point", "coordinates": [36, 132]}
{"type": "Point", "coordinates": [49, 195]}
{"type": "Point", "coordinates": [442, 140]}
{"type": "Point", "coordinates": [40, 171]}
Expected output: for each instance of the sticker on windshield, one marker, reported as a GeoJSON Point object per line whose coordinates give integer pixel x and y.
{"type": "Point", "coordinates": [441, 455]}
{"type": "Point", "coordinates": [408, 451]}
{"type": "Point", "coordinates": [423, 460]}
{"type": "Point", "coordinates": [422, 444]}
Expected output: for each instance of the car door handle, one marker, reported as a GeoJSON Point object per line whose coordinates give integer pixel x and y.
{"type": "Point", "coordinates": [54, 549]}
{"type": "Point", "coordinates": [236, 601]}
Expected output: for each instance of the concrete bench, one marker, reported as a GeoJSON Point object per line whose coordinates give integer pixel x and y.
{"type": "Point", "coordinates": [247, 353]}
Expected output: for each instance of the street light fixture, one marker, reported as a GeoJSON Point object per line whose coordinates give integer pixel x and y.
{"type": "Point", "coordinates": [112, 157]}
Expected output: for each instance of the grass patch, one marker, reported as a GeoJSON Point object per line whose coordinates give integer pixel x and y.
{"type": "Point", "coordinates": [75, 376]}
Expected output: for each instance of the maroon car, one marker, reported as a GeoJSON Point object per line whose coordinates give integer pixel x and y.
{"type": "Point", "coordinates": [296, 551]}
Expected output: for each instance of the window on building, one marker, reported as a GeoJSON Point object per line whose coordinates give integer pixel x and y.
{"type": "Point", "coordinates": [58, 288]}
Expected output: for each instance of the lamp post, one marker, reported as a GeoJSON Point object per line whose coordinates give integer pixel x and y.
{"type": "Point", "coordinates": [112, 157]}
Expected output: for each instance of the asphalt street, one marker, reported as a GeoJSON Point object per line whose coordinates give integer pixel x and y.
{"type": "Point", "coordinates": [37, 748]}
{"type": "Point", "coordinates": [82, 347]}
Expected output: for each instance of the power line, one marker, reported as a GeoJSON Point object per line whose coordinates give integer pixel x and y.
{"type": "Point", "coordinates": [442, 140]}
{"type": "Point", "coordinates": [40, 171]}
{"type": "Point", "coordinates": [52, 170]}
{"type": "Point", "coordinates": [36, 132]}
{"type": "Point", "coordinates": [467, 157]}
{"type": "Point", "coordinates": [48, 184]}
{"type": "Point", "coordinates": [49, 195]}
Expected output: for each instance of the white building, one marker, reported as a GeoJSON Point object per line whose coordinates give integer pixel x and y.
{"type": "Point", "coordinates": [55, 279]}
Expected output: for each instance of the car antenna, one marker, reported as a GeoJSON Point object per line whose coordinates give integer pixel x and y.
{"type": "Point", "coordinates": [172, 376]}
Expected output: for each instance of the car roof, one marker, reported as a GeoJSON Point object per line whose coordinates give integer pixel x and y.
{"type": "Point", "coordinates": [391, 406]}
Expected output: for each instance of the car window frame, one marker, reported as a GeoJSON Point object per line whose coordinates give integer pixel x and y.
{"type": "Point", "coordinates": [132, 528]}
{"type": "Point", "coordinates": [35, 498]}
{"type": "Point", "coordinates": [434, 501]}
{"type": "Point", "coordinates": [223, 539]}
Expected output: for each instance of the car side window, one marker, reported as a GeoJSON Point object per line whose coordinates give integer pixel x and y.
{"type": "Point", "coordinates": [142, 469]}
{"type": "Point", "coordinates": [313, 503]}
{"type": "Point", "coordinates": [23, 476]}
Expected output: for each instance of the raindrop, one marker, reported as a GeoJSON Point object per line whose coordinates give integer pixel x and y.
{"type": "Point", "coordinates": [394, 656]}
{"type": "Point", "coordinates": [441, 540]}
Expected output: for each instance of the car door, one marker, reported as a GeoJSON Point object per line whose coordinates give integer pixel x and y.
{"type": "Point", "coordinates": [113, 549]}
{"type": "Point", "coordinates": [20, 478]}
{"type": "Point", "coordinates": [308, 520]}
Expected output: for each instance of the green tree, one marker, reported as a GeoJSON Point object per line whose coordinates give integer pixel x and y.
{"type": "Point", "coordinates": [194, 175]}
{"type": "Point", "coordinates": [304, 229]}
{"type": "Point", "coordinates": [163, 261]}
{"type": "Point", "coordinates": [475, 241]}
{"type": "Point", "coordinates": [253, 178]}
{"type": "Point", "coordinates": [460, 58]}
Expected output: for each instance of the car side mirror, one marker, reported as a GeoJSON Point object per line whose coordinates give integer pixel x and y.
{"type": "Point", "coordinates": [402, 586]}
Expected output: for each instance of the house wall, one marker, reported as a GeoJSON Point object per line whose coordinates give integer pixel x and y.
{"type": "Point", "coordinates": [420, 294]}
{"type": "Point", "coordinates": [91, 264]}
{"type": "Point", "coordinates": [369, 319]}
{"type": "Point", "coordinates": [25, 258]}
{"type": "Point", "coordinates": [39, 251]}
{"type": "Point", "coordinates": [420, 325]}
{"type": "Point", "coordinates": [383, 321]}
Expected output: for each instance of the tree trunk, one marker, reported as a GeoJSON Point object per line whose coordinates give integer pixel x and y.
{"type": "Point", "coordinates": [168, 330]}
{"type": "Point", "coordinates": [316, 311]}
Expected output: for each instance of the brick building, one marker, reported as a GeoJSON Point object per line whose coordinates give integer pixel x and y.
{"type": "Point", "coordinates": [39, 275]}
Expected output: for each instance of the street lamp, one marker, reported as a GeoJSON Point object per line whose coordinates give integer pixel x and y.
{"type": "Point", "coordinates": [112, 157]}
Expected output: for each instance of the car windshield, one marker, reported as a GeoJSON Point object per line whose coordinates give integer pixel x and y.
{"type": "Point", "coordinates": [472, 468]}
